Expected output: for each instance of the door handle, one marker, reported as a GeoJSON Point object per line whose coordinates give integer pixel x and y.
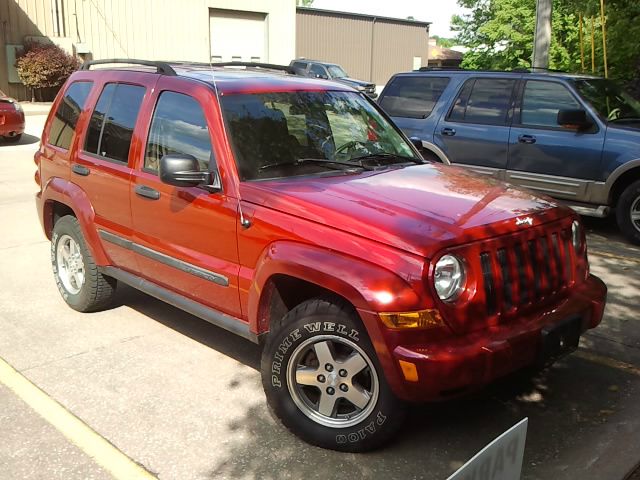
{"type": "Point", "coordinates": [448, 131]}
{"type": "Point", "coordinates": [80, 169]}
{"type": "Point", "coordinates": [527, 139]}
{"type": "Point", "coordinates": [147, 192]}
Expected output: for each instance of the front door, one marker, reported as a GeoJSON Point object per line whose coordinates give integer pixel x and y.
{"type": "Point", "coordinates": [184, 237]}
{"type": "Point", "coordinates": [475, 133]}
{"type": "Point", "coordinates": [545, 156]}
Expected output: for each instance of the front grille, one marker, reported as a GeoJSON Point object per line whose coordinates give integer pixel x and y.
{"type": "Point", "coordinates": [526, 271]}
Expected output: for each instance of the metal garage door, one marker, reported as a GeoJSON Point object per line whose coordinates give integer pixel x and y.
{"type": "Point", "coordinates": [238, 36]}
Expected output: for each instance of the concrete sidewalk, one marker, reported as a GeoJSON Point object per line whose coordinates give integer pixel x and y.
{"type": "Point", "coordinates": [36, 108]}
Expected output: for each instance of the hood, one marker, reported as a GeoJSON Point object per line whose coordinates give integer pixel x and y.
{"type": "Point", "coordinates": [353, 82]}
{"type": "Point", "coordinates": [419, 209]}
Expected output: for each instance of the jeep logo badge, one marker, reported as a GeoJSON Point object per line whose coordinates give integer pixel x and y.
{"type": "Point", "coordinates": [524, 221]}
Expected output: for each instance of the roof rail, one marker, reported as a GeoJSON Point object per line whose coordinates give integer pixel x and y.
{"type": "Point", "coordinates": [161, 67]}
{"type": "Point", "coordinates": [266, 66]}
{"type": "Point", "coordinates": [427, 69]}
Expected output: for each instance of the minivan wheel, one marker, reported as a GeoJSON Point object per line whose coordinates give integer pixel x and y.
{"type": "Point", "coordinates": [80, 283]}
{"type": "Point", "coordinates": [13, 139]}
{"type": "Point", "coordinates": [628, 212]}
{"type": "Point", "coordinates": [323, 382]}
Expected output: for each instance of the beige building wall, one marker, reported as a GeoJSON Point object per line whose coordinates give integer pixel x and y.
{"type": "Point", "coordinates": [367, 47]}
{"type": "Point", "coordinates": [146, 29]}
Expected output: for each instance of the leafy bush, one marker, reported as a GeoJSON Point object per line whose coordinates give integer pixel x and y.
{"type": "Point", "coordinates": [44, 65]}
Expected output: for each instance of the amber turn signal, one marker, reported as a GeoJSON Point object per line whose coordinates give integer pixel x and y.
{"type": "Point", "coordinates": [421, 319]}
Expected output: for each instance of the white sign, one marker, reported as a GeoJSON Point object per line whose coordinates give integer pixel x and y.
{"type": "Point", "coordinates": [500, 460]}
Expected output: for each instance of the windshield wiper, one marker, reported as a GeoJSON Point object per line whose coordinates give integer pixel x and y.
{"type": "Point", "coordinates": [387, 156]}
{"type": "Point", "coordinates": [332, 164]}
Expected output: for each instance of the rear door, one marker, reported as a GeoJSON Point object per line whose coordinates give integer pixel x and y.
{"type": "Point", "coordinates": [185, 237]}
{"type": "Point", "coordinates": [545, 156]}
{"type": "Point", "coordinates": [102, 165]}
{"type": "Point", "coordinates": [475, 131]}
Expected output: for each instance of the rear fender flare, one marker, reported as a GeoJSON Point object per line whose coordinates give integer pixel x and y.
{"type": "Point", "coordinates": [71, 195]}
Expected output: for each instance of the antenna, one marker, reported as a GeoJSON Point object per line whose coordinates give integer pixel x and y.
{"type": "Point", "coordinates": [244, 222]}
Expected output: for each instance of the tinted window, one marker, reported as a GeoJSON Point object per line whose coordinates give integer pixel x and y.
{"type": "Point", "coordinates": [317, 70]}
{"type": "Point", "coordinates": [541, 102]}
{"type": "Point", "coordinates": [113, 119]}
{"type": "Point", "coordinates": [488, 102]}
{"type": "Point", "coordinates": [277, 135]}
{"type": "Point", "coordinates": [64, 122]}
{"type": "Point", "coordinates": [300, 65]}
{"type": "Point", "coordinates": [413, 97]}
{"type": "Point", "coordinates": [178, 126]}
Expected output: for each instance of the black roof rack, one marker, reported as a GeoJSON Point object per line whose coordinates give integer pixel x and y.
{"type": "Point", "coordinates": [165, 68]}
{"type": "Point", "coordinates": [515, 70]}
{"type": "Point", "coordinates": [161, 67]}
{"type": "Point", "coordinates": [265, 66]}
{"type": "Point", "coordinates": [427, 69]}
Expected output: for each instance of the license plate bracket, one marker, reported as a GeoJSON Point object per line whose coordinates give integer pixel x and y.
{"type": "Point", "coordinates": [559, 340]}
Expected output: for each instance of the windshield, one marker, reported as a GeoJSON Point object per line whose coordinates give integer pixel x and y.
{"type": "Point", "coordinates": [277, 135]}
{"type": "Point", "coordinates": [336, 72]}
{"type": "Point", "coordinates": [610, 101]}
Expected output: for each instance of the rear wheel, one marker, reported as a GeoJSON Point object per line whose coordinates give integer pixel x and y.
{"type": "Point", "coordinates": [80, 283]}
{"type": "Point", "coordinates": [322, 379]}
{"type": "Point", "coordinates": [13, 139]}
{"type": "Point", "coordinates": [628, 212]}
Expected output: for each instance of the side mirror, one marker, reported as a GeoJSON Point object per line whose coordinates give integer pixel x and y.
{"type": "Point", "coordinates": [574, 119]}
{"type": "Point", "coordinates": [183, 170]}
{"type": "Point", "coordinates": [416, 143]}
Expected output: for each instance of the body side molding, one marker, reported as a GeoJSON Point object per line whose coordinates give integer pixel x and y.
{"type": "Point", "coordinates": [166, 259]}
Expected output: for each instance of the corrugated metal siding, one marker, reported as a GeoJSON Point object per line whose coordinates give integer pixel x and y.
{"type": "Point", "coordinates": [368, 48]}
{"type": "Point", "coordinates": [149, 29]}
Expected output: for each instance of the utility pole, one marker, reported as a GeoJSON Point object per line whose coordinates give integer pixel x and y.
{"type": "Point", "coordinates": [543, 34]}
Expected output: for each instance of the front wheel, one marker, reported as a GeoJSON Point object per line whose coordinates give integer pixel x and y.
{"type": "Point", "coordinates": [628, 212]}
{"type": "Point", "coordinates": [323, 381]}
{"type": "Point", "coordinates": [13, 139]}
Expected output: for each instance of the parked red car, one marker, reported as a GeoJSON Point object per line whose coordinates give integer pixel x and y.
{"type": "Point", "coordinates": [294, 213]}
{"type": "Point", "coordinates": [11, 119]}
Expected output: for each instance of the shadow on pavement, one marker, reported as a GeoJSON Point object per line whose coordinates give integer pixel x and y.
{"type": "Point", "coordinates": [26, 139]}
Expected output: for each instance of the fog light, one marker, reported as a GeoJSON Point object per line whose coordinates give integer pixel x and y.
{"type": "Point", "coordinates": [421, 319]}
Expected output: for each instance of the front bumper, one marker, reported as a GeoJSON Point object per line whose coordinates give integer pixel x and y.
{"type": "Point", "coordinates": [464, 363]}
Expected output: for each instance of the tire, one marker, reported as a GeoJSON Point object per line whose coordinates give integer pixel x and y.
{"type": "Point", "coordinates": [80, 283]}
{"type": "Point", "coordinates": [14, 139]}
{"type": "Point", "coordinates": [627, 208]}
{"type": "Point", "coordinates": [318, 332]}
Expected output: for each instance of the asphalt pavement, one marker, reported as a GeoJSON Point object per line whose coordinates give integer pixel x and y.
{"type": "Point", "coordinates": [145, 386]}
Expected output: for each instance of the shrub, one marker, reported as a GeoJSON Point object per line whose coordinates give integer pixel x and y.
{"type": "Point", "coordinates": [44, 65]}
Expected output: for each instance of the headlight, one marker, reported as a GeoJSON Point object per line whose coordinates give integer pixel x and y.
{"type": "Point", "coordinates": [449, 278]}
{"type": "Point", "coordinates": [576, 235]}
{"type": "Point", "coordinates": [361, 88]}
{"type": "Point", "coordinates": [17, 106]}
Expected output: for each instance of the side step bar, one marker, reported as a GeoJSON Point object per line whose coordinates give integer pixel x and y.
{"type": "Point", "coordinates": [219, 319]}
{"type": "Point", "coordinates": [590, 211]}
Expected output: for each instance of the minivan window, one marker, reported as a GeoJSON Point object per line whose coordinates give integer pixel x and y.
{"type": "Point", "coordinates": [65, 119]}
{"type": "Point", "coordinates": [113, 119]}
{"type": "Point", "coordinates": [541, 102]}
{"type": "Point", "coordinates": [488, 103]}
{"type": "Point", "coordinates": [178, 126]}
{"type": "Point", "coordinates": [413, 97]}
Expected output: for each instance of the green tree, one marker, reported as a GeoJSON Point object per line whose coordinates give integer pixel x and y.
{"type": "Point", "coordinates": [304, 3]}
{"type": "Point", "coordinates": [499, 34]}
{"type": "Point", "coordinates": [444, 42]}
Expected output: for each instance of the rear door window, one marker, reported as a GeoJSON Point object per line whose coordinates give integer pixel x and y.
{"type": "Point", "coordinates": [63, 125]}
{"type": "Point", "coordinates": [113, 120]}
{"type": "Point", "coordinates": [485, 101]}
{"type": "Point", "coordinates": [413, 97]}
{"type": "Point", "coordinates": [178, 127]}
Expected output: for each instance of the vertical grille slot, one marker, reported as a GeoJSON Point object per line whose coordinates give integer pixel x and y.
{"type": "Point", "coordinates": [506, 278]}
{"type": "Point", "coordinates": [535, 266]}
{"type": "Point", "coordinates": [521, 268]}
{"type": "Point", "coordinates": [489, 287]}
{"type": "Point", "coordinates": [558, 274]}
{"type": "Point", "coordinates": [546, 265]}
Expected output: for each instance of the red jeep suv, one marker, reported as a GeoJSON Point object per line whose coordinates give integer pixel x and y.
{"type": "Point", "coordinates": [293, 212]}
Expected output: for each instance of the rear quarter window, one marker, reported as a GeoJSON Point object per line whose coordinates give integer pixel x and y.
{"type": "Point", "coordinates": [413, 97]}
{"type": "Point", "coordinates": [64, 122]}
